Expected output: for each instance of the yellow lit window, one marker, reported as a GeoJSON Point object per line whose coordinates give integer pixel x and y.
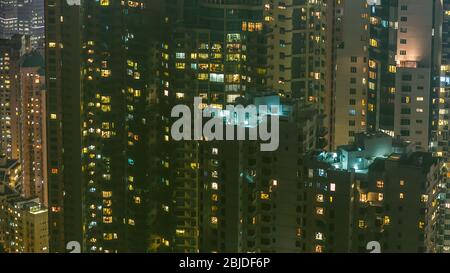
{"type": "Point", "coordinates": [52, 116]}
{"type": "Point", "coordinates": [107, 194]}
{"type": "Point", "coordinates": [319, 211]}
{"type": "Point", "coordinates": [104, 2]}
{"type": "Point", "coordinates": [180, 232]}
{"type": "Point", "coordinates": [363, 197]}
{"type": "Point", "coordinates": [244, 26]}
{"type": "Point", "coordinates": [107, 220]}
{"type": "Point", "coordinates": [373, 42]}
{"type": "Point", "coordinates": [214, 197]}
{"type": "Point", "coordinates": [214, 220]}
{"type": "Point", "coordinates": [264, 196]}
{"type": "Point", "coordinates": [180, 66]}
{"type": "Point", "coordinates": [424, 198]}
{"type": "Point", "coordinates": [107, 211]}
{"type": "Point", "coordinates": [421, 225]}
{"type": "Point", "coordinates": [106, 108]}
{"type": "Point", "coordinates": [203, 76]}
{"type": "Point", "coordinates": [319, 198]}
{"type": "Point", "coordinates": [393, 69]}
{"type": "Point", "coordinates": [318, 249]}
{"type": "Point", "coordinates": [105, 73]}
{"type": "Point", "coordinates": [380, 184]}
{"type": "Point", "coordinates": [106, 99]}
{"type": "Point", "coordinates": [386, 220]}
{"type": "Point", "coordinates": [402, 195]}
{"type": "Point", "coordinates": [361, 224]}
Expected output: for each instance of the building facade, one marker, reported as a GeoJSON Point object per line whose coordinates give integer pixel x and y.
{"type": "Point", "coordinates": [32, 127]}
{"type": "Point", "coordinates": [404, 69]}
{"type": "Point", "coordinates": [350, 70]}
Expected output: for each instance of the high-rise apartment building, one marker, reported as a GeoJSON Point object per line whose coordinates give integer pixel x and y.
{"type": "Point", "coordinates": [63, 85]}
{"type": "Point", "coordinates": [11, 51]}
{"type": "Point", "coordinates": [349, 35]}
{"type": "Point", "coordinates": [24, 17]}
{"type": "Point", "coordinates": [404, 69]}
{"type": "Point", "coordinates": [249, 197]}
{"type": "Point", "coordinates": [216, 51]}
{"type": "Point", "coordinates": [374, 190]}
{"type": "Point", "coordinates": [32, 127]}
{"type": "Point", "coordinates": [117, 61]}
{"type": "Point", "coordinates": [297, 55]}
{"type": "Point", "coordinates": [30, 20]}
{"type": "Point", "coordinates": [441, 146]}
{"type": "Point", "coordinates": [27, 226]}
{"type": "Point", "coordinates": [8, 18]}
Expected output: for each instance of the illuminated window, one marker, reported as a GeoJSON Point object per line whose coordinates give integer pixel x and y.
{"type": "Point", "coordinates": [424, 198]}
{"type": "Point", "coordinates": [363, 197]}
{"type": "Point", "coordinates": [319, 198]}
{"type": "Point", "coordinates": [318, 249]}
{"type": "Point", "coordinates": [214, 186]}
{"type": "Point", "coordinates": [386, 220]}
{"type": "Point", "coordinates": [107, 220]}
{"type": "Point", "coordinates": [180, 232]}
{"type": "Point", "coordinates": [361, 224]}
{"type": "Point", "coordinates": [203, 76]}
{"type": "Point", "coordinates": [402, 195]}
{"type": "Point", "coordinates": [105, 73]}
{"type": "Point", "coordinates": [53, 116]}
{"type": "Point", "coordinates": [180, 65]}
{"type": "Point", "coordinates": [214, 197]}
{"type": "Point", "coordinates": [421, 225]}
{"type": "Point", "coordinates": [107, 211]}
{"type": "Point", "coordinates": [319, 211]}
{"type": "Point", "coordinates": [402, 183]}
{"type": "Point", "coordinates": [319, 236]}
{"type": "Point", "coordinates": [332, 187]}
{"type": "Point", "coordinates": [380, 184]}
{"type": "Point", "coordinates": [373, 42]}
{"type": "Point", "coordinates": [106, 108]}
{"type": "Point", "coordinates": [380, 197]}
{"type": "Point", "coordinates": [392, 69]}
{"type": "Point", "coordinates": [214, 220]}
{"type": "Point", "coordinates": [264, 196]}
{"type": "Point", "coordinates": [107, 194]}
{"type": "Point", "coordinates": [54, 171]}
{"type": "Point", "coordinates": [104, 2]}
